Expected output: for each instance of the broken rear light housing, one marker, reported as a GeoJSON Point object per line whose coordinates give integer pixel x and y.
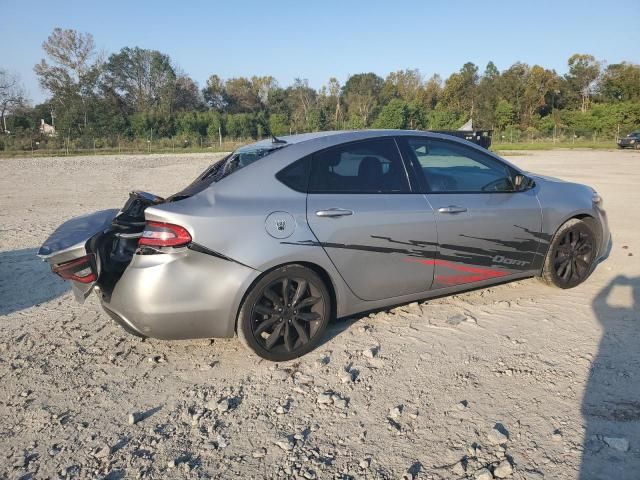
{"type": "Point", "coordinates": [159, 234]}
{"type": "Point", "coordinates": [78, 270]}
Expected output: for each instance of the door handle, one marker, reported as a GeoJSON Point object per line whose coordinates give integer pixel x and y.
{"type": "Point", "coordinates": [334, 212]}
{"type": "Point", "coordinates": [452, 209]}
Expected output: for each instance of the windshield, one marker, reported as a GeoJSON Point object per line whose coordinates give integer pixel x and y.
{"type": "Point", "coordinates": [634, 134]}
{"type": "Point", "coordinates": [242, 157]}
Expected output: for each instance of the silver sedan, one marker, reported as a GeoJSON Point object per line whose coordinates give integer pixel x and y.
{"type": "Point", "coordinates": [283, 235]}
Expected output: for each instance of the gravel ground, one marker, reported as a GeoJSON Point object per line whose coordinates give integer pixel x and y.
{"type": "Point", "coordinates": [515, 381]}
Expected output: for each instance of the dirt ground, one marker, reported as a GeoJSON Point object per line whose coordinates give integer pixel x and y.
{"type": "Point", "coordinates": [520, 380]}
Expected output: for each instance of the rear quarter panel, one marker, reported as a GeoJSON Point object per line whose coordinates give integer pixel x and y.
{"type": "Point", "coordinates": [230, 218]}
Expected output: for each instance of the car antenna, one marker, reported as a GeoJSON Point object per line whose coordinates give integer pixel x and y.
{"type": "Point", "coordinates": [275, 139]}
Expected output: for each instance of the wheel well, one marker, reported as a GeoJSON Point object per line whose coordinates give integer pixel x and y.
{"type": "Point", "coordinates": [593, 223]}
{"type": "Point", "coordinates": [321, 272]}
{"type": "Point", "coordinates": [326, 278]}
{"type": "Point", "coordinates": [584, 217]}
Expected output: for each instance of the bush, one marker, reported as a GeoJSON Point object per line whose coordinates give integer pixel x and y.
{"type": "Point", "coordinates": [148, 125]}
{"type": "Point", "coordinates": [278, 124]}
{"type": "Point", "coordinates": [393, 115]}
{"type": "Point", "coordinates": [241, 125]}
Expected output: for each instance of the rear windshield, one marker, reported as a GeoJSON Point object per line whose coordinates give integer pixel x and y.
{"type": "Point", "coordinates": [231, 163]}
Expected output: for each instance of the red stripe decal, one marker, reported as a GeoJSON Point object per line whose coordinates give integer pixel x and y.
{"type": "Point", "coordinates": [480, 273]}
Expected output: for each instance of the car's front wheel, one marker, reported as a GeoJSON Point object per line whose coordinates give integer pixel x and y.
{"type": "Point", "coordinates": [285, 313]}
{"type": "Point", "coordinates": [571, 254]}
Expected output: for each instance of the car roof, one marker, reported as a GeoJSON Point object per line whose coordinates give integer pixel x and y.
{"type": "Point", "coordinates": [307, 143]}
{"type": "Point", "coordinates": [343, 136]}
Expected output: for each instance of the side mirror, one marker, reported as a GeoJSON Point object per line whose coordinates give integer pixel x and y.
{"type": "Point", "coordinates": [518, 181]}
{"type": "Point", "coordinates": [521, 182]}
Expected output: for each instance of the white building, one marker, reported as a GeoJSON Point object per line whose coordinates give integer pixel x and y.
{"type": "Point", "coordinates": [47, 129]}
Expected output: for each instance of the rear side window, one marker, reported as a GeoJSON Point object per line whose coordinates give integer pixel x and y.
{"type": "Point", "coordinates": [296, 175]}
{"type": "Point", "coordinates": [371, 166]}
{"type": "Point", "coordinates": [450, 167]}
{"type": "Point", "coordinates": [239, 159]}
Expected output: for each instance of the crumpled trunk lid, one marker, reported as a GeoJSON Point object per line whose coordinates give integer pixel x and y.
{"type": "Point", "coordinates": [106, 239]}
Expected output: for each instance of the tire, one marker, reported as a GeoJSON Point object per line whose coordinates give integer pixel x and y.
{"type": "Point", "coordinates": [637, 147]}
{"type": "Point", "coordinates": [280, 330]}
{"type": "Point", "coordinates": [571, 255]}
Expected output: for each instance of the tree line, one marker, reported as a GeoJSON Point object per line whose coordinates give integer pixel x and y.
{"type": "Point", "coordinates": [141, 93]}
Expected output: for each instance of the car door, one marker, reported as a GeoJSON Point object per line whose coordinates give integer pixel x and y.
{"type": "Point", "coordinates": [362, 211]}
{"type": "Point", "coordinates": [486, 227]}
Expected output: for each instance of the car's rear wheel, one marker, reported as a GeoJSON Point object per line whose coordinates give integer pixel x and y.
{"type": "Point", "coordinates": [571, 255]}
{"type": "Point", "coordinates": [285, 313]}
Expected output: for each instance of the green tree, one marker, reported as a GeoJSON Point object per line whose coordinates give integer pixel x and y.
{"type": "Point", "coordinates": [404, 84]}
{"type": "Point", "coordinates": [512, 84]}
{"type": "Point", "coordinates": [144, 80]}
{"type": "Point", "coordinates": [215, 94]}
{"type": "Point", "coordinates": [70, 73]}
{"type": "Point", "coordinates": [394, 114]}
{"type": "Point", "coordinates": [12, 97]}
{"type": "Point", "coordinates": [150, 125]}
{"type": "Point", "coordinates": [279, 124]}
{"type": "Point", "coordinates": [583, 73]}
{"type": "Point", "coordinates": [361, 93]}
{"type": "Point", "coordinates": [241, 96]}
{"type": "Point", "coordinates": [460, 90]}
{"type": "Point", "coordinates": [187, 95]}
{"type": "Point", "coordinates": [487, 98]}
{"type": "Point", "coordinates": [241, 125]}
{"type": "Point", "coordinates": [538, 83]}
{"type": "Point", "coordinates": [214, 124]}
{"type": "Point", "coordinates": [620, 82]}
{"type": "Point", "coordinates": [302, 100]}
{"type": "Point", "coordinates": [430, 94]}
{"type": "Point", "coordinates": [504, 114]}
{"type": "Point", "coordinates": [442, 119]}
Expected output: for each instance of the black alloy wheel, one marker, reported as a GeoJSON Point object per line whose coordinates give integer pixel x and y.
{"type": "Point", "coordinates": [571, 255]}
{"type": "Point", "coordinates": [285, 314]}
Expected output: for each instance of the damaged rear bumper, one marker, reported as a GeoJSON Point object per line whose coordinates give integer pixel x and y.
{"type": "Point", "coordinates": [180, 295]}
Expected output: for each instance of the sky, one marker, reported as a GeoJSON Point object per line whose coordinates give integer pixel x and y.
{"type": "Point", "coordinates": [316, 40]}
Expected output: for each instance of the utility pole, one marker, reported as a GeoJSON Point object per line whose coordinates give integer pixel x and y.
{"type": "Point", "coordinates": [220, 135]}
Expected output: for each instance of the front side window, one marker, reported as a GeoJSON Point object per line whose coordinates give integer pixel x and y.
{"type": "Point", "coordinates": [371, 166]}
{"type": "Point", "coordinates": [450, 167]}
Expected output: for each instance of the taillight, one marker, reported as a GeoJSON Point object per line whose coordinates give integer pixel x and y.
{"type": "Point", "coordinates": [158, 234]}
{"type": "Point", "coordinates": [79, 270]}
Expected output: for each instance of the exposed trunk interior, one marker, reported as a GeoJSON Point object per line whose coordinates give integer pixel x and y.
{"type": "Point", "coordinates": [116, 247]}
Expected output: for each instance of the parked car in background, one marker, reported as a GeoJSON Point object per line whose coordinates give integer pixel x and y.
{"type": "Point", "coordinates": [283, 235]}
{"type": "Point", "coordinates": [630, 141]}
